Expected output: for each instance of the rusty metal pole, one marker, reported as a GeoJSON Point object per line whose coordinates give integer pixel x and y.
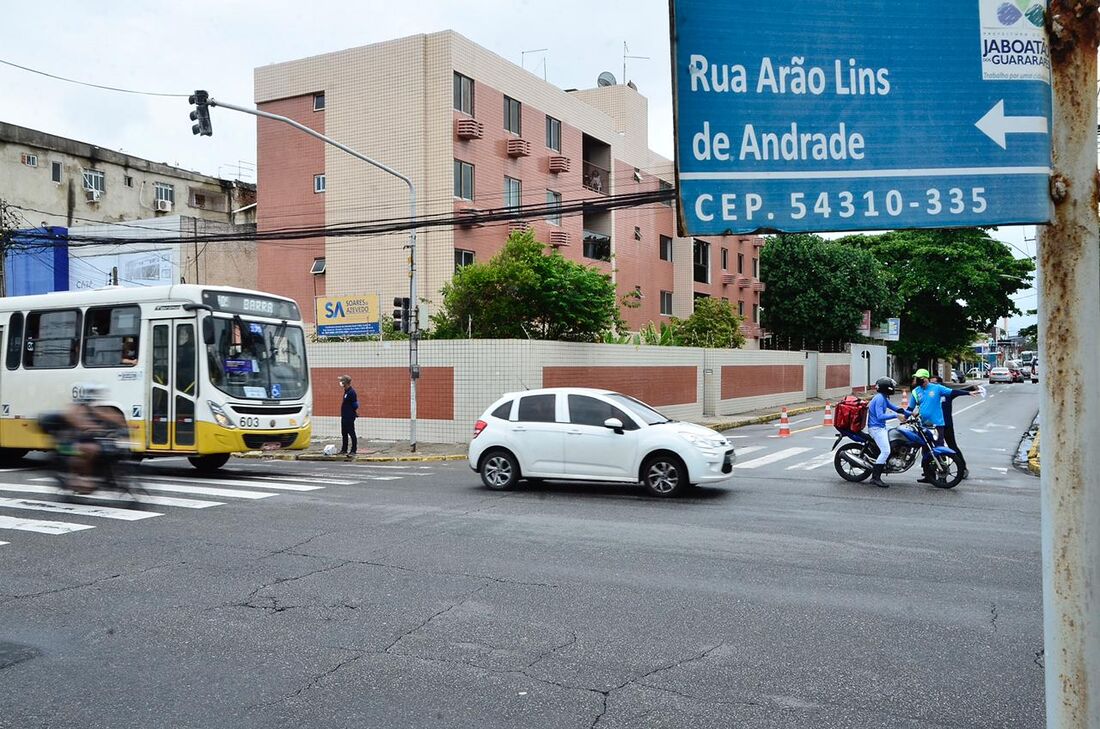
{"type": "Point", "coordinates": [1069, 342]}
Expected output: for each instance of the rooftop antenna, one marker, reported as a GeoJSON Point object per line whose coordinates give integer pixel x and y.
{"type": "Point", "coordinates": [626, 55]}
{"type": "Point", "coordinates": [523, 59]}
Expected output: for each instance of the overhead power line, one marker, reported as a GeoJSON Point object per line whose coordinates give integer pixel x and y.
{"type": "Point", "coordinates": [86, 83]}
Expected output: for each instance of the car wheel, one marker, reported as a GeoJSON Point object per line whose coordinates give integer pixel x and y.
{"type": "Point", "coordinates": [499, 470]}
{"type": "Point", "coordinates": [664, 475]}
{"type": "Point", "coordinates": [209, 464]}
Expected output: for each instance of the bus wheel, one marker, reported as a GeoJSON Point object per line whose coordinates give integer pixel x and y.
{"type": "Point", "coordinates": [11, 456]}
{"type": "Point", "coordinates": [209, 464]}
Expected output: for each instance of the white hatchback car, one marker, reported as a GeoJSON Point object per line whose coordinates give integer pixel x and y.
{"type": "Point", "coordinates": [580, 434]}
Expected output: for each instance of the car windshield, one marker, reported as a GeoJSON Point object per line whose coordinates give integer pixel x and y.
{"type": "Point", "coordinates": [258, 360]}
{"type": "Point", "coordinates": [648, 415]}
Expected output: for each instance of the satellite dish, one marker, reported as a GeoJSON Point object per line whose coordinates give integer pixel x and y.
{"type": "Point", "coordinates": [606, 79]}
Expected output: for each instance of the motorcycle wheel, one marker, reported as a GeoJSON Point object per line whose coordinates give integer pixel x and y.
{"type": "Point", "coordinates": [951, 473]}
{"type": "Point", "coordinates": [845, 468]}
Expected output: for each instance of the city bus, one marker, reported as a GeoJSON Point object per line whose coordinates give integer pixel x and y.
{"type": "Point", "coordinates": [196, 371]}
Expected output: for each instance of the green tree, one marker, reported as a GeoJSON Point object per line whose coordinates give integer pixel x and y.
{"type": "Point", "coordinates": [712, 324]}
{"type": "Point", "coordinates": [953, 284]}
{"type": "Point", "coordinates": [1031, 335]}
{"type": "Point", "coordinates": [818, 289]}
{"type": "Point", "coordinates": [523, 292]}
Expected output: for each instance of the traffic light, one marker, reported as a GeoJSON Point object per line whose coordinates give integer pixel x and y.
{"type": "Point", "coordinates": [402, 314]}
{"type": "Point", "coordinates": [201, 114]}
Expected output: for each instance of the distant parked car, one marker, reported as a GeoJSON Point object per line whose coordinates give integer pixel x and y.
{"type": "Point", "coordinates": [1000, 374]}
{"type": "Point", "coordinates": [1017, 375]}
{"type": "Point", "coordinates": [975, 373]}
{"type": "Point", "coordinates": [579, 434]}
{"type": "Point", "coordinates": [1035, 371]}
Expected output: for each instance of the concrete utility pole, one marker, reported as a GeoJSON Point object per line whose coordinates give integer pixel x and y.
{"type": "Point", "coordinates": [1069, 343]}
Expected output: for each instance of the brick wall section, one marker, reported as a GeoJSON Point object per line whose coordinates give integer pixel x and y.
{"type": "Point", "coordinates": [752, 380]}
{"type": "Point", "coordinates": [384, 392]}
{"type": "Point", "coordinates": [837, 376]}
{"type": "Point", "coordinates": [656, 386]}
{"type": "Point", "coordinates": [286, 161]}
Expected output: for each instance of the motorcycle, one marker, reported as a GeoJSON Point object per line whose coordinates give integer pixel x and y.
{"type": "Point", "coordinates": [855, 461]}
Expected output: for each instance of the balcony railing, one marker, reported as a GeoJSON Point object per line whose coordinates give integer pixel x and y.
{"type": "Point", "coordinates": [595, 178]}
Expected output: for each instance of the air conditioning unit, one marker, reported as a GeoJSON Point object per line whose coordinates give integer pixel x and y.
{"type": "Point", "coordinates": [162, 206]}
{"type": "Point", "coordinates": [93, 195]}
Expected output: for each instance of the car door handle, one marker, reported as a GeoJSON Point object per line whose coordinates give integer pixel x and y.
{"type": "Point", "coordinates": [519, 429]}
{"type": "Point", "coordinates": [574, 432]}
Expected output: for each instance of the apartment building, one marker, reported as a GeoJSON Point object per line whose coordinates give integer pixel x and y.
{"type": "Point", "coordinates": [474, 132]}
{"type": "Point", "coordinates": [57, 181]}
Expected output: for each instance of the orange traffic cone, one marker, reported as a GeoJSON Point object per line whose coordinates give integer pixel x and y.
{"type": "Point", "coordinates": [828, 414]}
{"type": "Point", "coordinates": [784, 425]}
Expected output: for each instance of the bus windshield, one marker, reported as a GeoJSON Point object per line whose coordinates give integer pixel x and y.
{"type": "Point", "coordinates": [257, 360]}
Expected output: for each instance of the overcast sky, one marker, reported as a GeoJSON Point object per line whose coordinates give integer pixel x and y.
{"type": "Point", "coordinates": [178, 47]}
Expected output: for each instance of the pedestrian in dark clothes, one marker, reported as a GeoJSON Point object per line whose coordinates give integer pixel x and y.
{"type": "Point", "coordinates": [949, 419]}
{"type": "Point", "coordinates": [348, 411]}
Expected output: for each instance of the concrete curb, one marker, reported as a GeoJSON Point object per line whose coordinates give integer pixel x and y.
{"type": "Point", "coordinates": [1033, 456]}
{"type": "Point", "coordinates": [356, 459]}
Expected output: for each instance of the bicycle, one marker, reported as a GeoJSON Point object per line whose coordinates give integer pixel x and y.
{"type": "Point", "coordinates": [111, 470]}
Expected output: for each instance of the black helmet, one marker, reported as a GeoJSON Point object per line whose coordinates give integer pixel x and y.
{"type": "Point", "coordinates": [886, 385]}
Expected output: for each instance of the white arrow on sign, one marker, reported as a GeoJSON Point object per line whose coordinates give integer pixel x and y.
{"type": "Point", "coordinates": [996, 125]}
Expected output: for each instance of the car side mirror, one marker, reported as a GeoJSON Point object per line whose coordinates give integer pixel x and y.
{"type": "Point", "coordinates": [208, 331]}
{"type": "Point", "coordinates": [615, 424]}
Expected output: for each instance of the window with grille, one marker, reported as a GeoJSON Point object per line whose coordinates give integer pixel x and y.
{"type": "Point", "coordinates": [164, 191]}
{"type": "Point", "coordinates": [95, 181]}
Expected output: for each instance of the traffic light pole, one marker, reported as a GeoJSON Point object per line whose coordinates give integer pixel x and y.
{"type": "Point", "coordinates": [1069, 302]}
{"type": "Point", "coordinates": [414, 328]}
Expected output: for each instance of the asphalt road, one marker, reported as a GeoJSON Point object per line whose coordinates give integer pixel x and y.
{"type": "Point", "coordinates": [333, 595]}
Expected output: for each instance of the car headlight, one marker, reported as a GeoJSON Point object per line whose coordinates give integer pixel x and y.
{"type": "Point", "coordinates": [220, 416]}
{"type": "Point", "coordinates": [705, 443]}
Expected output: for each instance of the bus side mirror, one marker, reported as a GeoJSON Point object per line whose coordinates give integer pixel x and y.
{"type": "Point", "coordinates": [208, 331]}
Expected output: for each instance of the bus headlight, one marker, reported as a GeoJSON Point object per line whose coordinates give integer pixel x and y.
{"type": "Point", "coordinates": [220, 416]}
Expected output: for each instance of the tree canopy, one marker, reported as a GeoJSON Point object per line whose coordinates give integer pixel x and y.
{"type": "Point", "coordinates": [524, 292]}
{"type": "Point", "coordinates": [820, 289]}
{"type": "Point", "coordinates": [713, 323]}
{"type": "Point", "coordinates": [953, 284]}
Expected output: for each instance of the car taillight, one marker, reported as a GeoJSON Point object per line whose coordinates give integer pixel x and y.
{"type": "Point", "coordinates": [478, 427]}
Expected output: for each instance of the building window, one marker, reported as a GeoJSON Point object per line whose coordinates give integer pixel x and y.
{"type": "Point", "coordinates": [164, 191]}
{"type": "Point", "coordinates": [553, 134]}
{"type": "Point", "coordinates": [199, 200]}
{"type": "Point", "coordinates": [464, 180]}
{"type": "Point", "coordinates": [463, 259]}
{"type": "Point", "coordinates": [740, 262]}
{"type": "Point", "coordinates": [597, 246]}
{"type": "Point", "coordinates": [666, 248]}
{"type": "Point", "coordinates": [701, 257]}
{"type": "Point", "coordinates": [94, 181]}
{"type": "Point", "coordinates": [127, 180]}
{"type": "Point", "coordinates": [666, 303]}
{"type": "Point", "coordinates": [15, 340]}
{"type": "Point", "coordinates": [741, 309]}
{"type": "Point", "coordinates": [756, 313]}
{"type": "Point", "coordinates": [553, 204]}
{"type": "Point", "coordinates": [53, 339]}
{"type": "Point", "coordinates": [464, 94]}
{"type": "Point", "coordinates": [512, 116]}
{"type": "Point", "coordinates": [30, 160]}
{"type": "Point", "coordinates": [319, 101]}
{"type": "Point", "coordinates": [55, 171]}
{"type": "Point", "coordinates": [318, 266]}
{"type": "Point", "coordinates": [666, 186]}
{"type": "Point", "coordinates": [637, 232]}
{"type": "Point", "coordinates": [318, 183]}
{"type": "Point", "coordinates": [725, 259]}
{"type": "Point", "coordinates": [513, 192]}
{"type": "Point", "coordinates": [111, 336]}
{"type": "Point", "coordinates": [756, 268]}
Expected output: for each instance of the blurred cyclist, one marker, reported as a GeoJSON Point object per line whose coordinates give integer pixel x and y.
{"type": "Point", "coordinates": [79, 432]}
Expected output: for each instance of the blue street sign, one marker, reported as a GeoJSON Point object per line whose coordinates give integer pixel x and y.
{"type": "Point", "coordinates": [860, 115]}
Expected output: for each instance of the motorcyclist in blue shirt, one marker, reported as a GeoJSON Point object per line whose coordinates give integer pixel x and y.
{"type": "Point", "coordinates": [878, 412]}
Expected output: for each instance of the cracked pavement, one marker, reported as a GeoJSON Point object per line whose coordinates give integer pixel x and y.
{"type": "Point", "coordinates": [776, 601]}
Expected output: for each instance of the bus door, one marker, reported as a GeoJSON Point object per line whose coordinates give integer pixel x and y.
{"type": "Point", "coordinates": [173, 385]}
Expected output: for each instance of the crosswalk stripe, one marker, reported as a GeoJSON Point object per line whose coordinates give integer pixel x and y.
{"type": "Point", "coordinates": [771, 458]}
{"type": "Point", "coordinates": [303, 479]}
{"type": "Point", "coordinates": [278, 486]}
{"type": "Point", "coordinates": [42, 527]}
{"type": "Point", "coordinates": [197, 490]}
{"type": "Point", "coordinates": [746, 450]}
{"type": "Point", "coordinates": [30, 488]}
{"type": "Point", "coordinates": [816, 462]}
{"type": "Point", "coordinates": [204, 491]}
{"type": "Point", "coordinates": [3, 543]}
{"type": "Point", "coordinates": [104, 512]}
